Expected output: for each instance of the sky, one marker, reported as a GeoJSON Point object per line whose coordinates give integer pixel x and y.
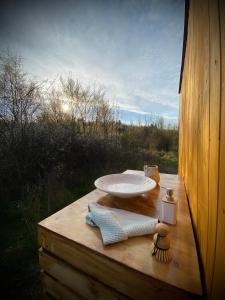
{"type": "Point", "coordinates": [130, 48]}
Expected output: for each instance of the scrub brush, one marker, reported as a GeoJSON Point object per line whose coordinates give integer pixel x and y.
{"type": "Point", "coordinates": [161, 243]}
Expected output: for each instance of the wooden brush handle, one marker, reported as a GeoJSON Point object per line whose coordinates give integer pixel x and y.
{"type": "Point", "coordinates": [162, 229]}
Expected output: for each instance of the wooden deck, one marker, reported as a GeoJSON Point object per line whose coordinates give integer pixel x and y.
{"type": "Point", "coordinates": [76, 265]}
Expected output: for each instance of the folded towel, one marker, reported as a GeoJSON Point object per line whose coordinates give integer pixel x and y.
{"type": "Point", "coordinates": [117, 224]}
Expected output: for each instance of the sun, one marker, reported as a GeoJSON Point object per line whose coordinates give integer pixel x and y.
{"type": "Point", "coordinates": [65, 107]}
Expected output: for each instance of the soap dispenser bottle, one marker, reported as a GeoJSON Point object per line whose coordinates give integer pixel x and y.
{"type": "Point", "coordinates": [169, 208]}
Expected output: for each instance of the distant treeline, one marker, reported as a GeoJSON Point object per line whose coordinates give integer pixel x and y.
{"type": "Point", "coordinates": [67, 131]}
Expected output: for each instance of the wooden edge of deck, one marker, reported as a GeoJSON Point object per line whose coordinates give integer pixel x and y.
{"type": "Point", "coordinates": [53, 289]}
{"type": "Point", "coordinates": [122, 278]}
{"type": "Point", "coordinates": [78, 282]}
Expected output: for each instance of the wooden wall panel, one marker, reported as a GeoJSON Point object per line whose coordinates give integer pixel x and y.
{"type": "Point", "coordinates": [214, 125]}
{"type": "Point", "coordinates": [202, 76]}
{"type": "Point", "coordinates": [218, 290]}
{"type": "Point", "coordinates": [202, 136]}
{"type": "Point", "coordinates": [193, 117]}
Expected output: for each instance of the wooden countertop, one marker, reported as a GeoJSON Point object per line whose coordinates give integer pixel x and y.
{"type": "Point", "coordinates": [182, 272]}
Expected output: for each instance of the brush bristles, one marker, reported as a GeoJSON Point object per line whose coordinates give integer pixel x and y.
{"type": "Point", "coordinates": [161, 255]}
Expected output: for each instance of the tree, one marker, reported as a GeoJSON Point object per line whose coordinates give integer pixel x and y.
{"type": "Point", "coordinates": [20, 97]}
{"type": "Point", "coordinates": [87, 107]}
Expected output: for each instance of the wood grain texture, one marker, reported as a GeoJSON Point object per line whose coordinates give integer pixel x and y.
{"type": "Point", "coordinates": [218, 291]}
{"type": "Point", "coordinates": [66, 235]}
{"type": "Point", "coordinates": [56, 290]}
{"type": "Point", "coordinates": [202, 135]}
{"type": "Point", "coordinates": [78, 282]}
{"type": "Point", "coordinates": [202, 76]}
{"type": "Point", "coordinates": [214, 125]}
{"type": "Point", "coordinates": [117, 276]}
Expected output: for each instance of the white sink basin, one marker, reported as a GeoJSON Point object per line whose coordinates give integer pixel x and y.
{"type": "Point", "coordinates": [125, 185]}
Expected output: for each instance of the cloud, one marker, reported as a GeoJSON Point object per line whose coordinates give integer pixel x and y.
{"type": "Point", "coordinates": [130, 48]}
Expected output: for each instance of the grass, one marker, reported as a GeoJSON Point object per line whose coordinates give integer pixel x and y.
{"type": "Point", "coordinates": [19, 261]}
{"type": "Point", "coordinates": [19, 248]}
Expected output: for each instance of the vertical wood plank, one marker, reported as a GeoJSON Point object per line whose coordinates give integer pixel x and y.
{"type": "Point", "coordinates": [218, 290]}
{"type": "Point", "coordinates": [194, 118]}
{"type": "Point", "coordinates": [180, 137]}
{"type": "Point", "coordinates": [214, 124]}
{"type": "Point", "coordinates": [202, 74]}
{"type": "Point", "coordinates": [187, 127]}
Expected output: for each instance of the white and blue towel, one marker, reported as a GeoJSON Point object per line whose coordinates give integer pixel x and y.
{"type": "Point", "coordinates": [117, 224]}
